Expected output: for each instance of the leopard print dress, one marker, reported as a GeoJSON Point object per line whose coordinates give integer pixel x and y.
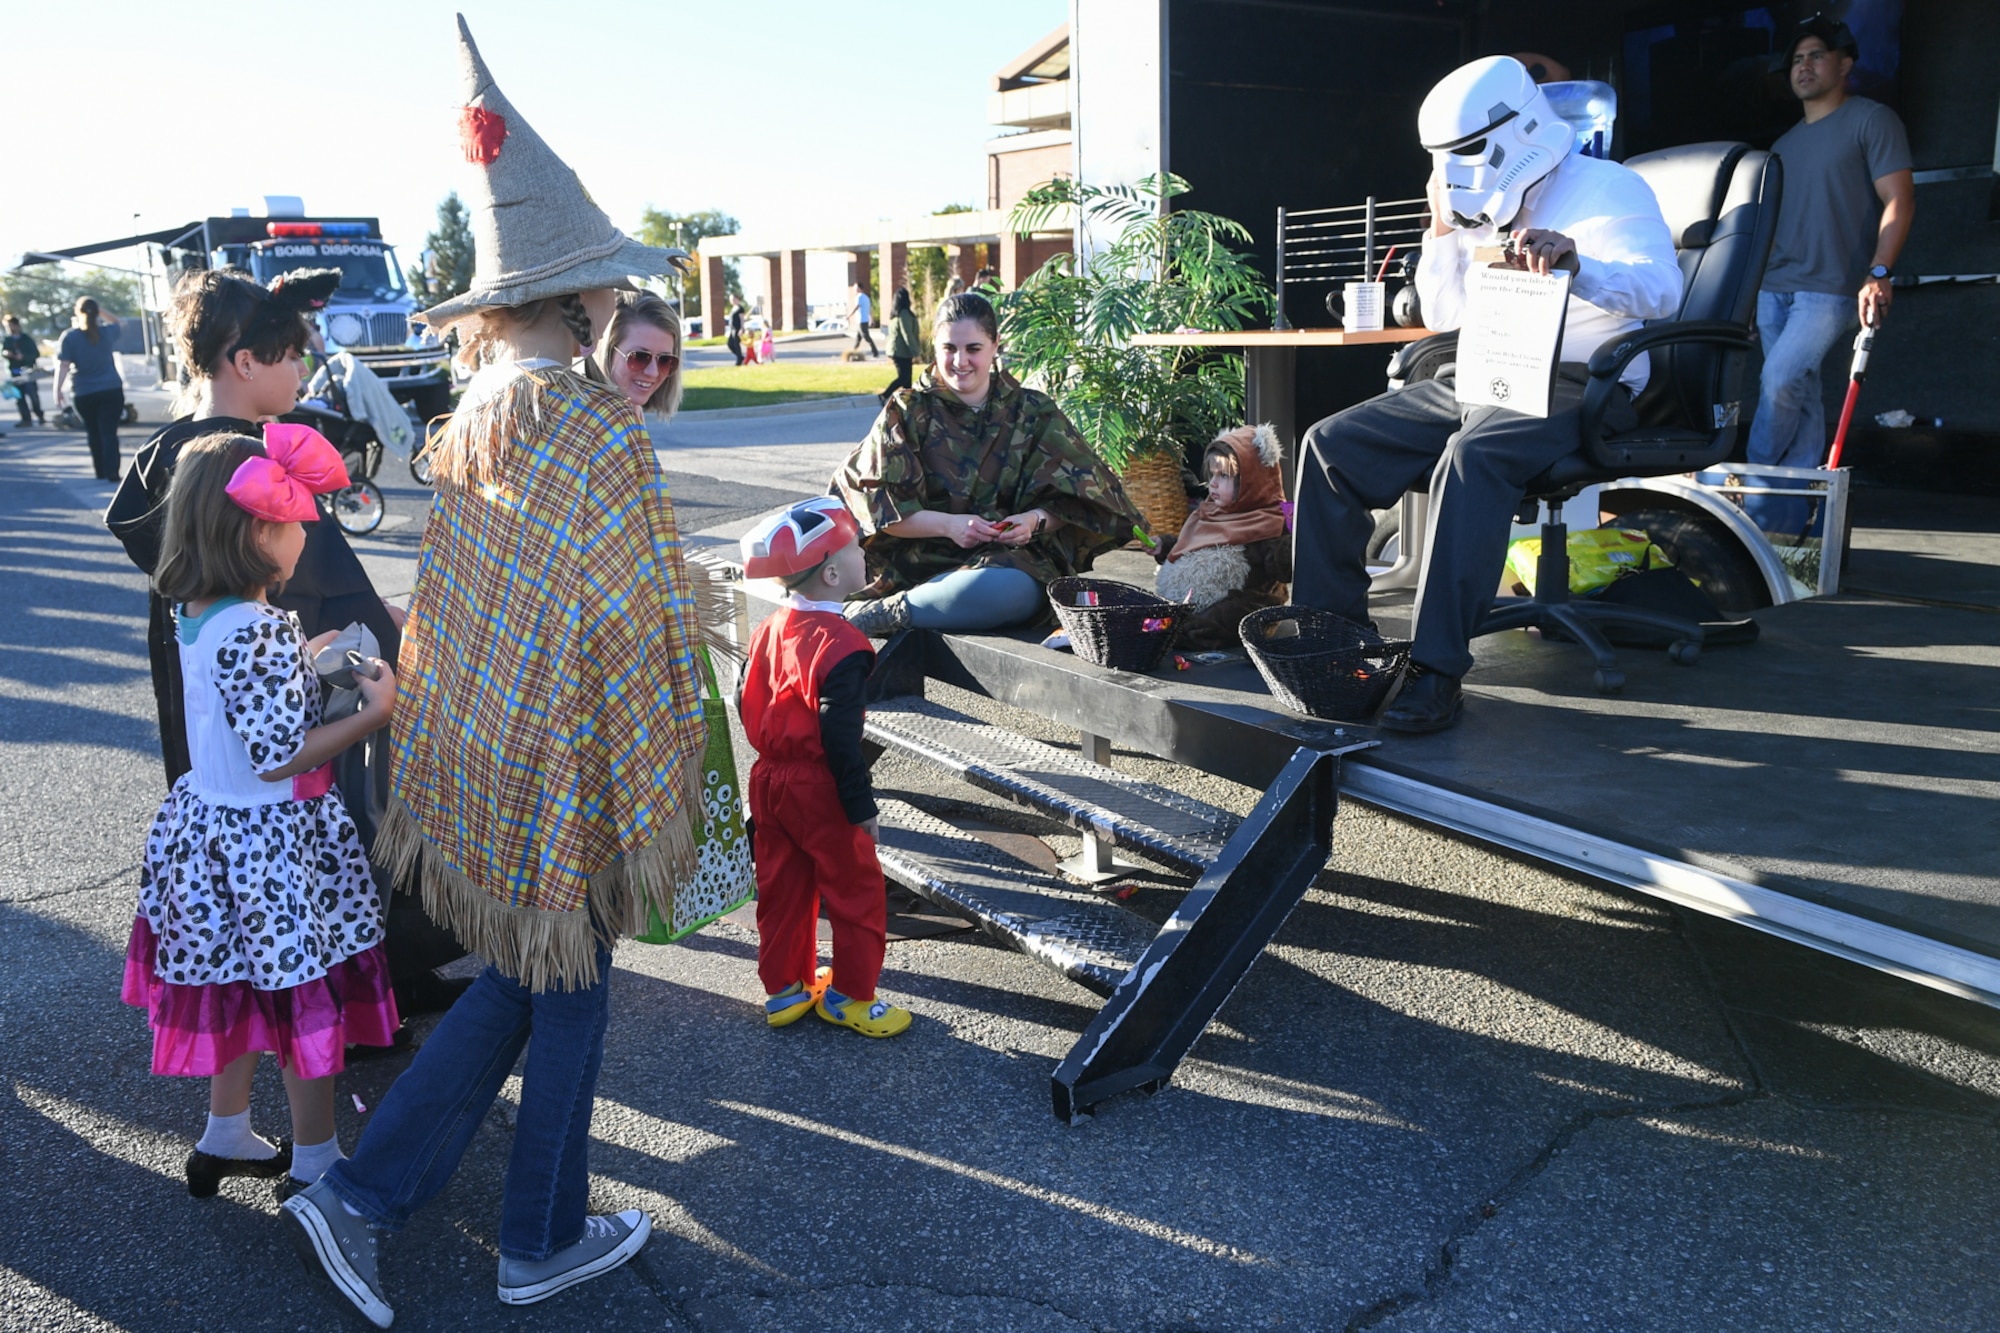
{"type": "Point", "coordinates": [245, 880]}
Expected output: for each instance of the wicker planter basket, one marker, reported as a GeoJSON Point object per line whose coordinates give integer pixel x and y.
{"type": "Point", "coordinates": [1330, 668]}
{"type": "Point", "coordinates": [1129, 629]}
{"type": "Point", "coordinates": [1154, 483]}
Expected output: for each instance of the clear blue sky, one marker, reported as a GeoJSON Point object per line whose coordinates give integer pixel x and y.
{"type": "Point", "coordinates": [772, 110]}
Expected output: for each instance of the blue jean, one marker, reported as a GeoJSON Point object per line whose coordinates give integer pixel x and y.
{"type": "Point", "coordinates": [1797, 329]}
{"type": "Point", "coordinates": [416, 1137]}
{"type": "Point", "coordinates": [976, 599]}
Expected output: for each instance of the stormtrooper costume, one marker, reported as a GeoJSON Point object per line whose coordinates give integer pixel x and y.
{"type": "Point", "coordinates": [1505, 165]}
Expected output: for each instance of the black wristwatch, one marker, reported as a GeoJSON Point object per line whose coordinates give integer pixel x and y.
{"type": "Point", "coordinates": [1879, 273]}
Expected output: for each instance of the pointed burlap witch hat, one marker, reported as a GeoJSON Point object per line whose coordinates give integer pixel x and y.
{"type": "Point", "coordinates": [535, 230]}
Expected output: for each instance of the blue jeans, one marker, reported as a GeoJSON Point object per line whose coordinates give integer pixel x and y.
{"type": "Point", "coordinates": [417, 1135]}
{"type": "Point", "coordinates": [1797, 329]}
{"type": "Point", "coordinates": [976, 599]}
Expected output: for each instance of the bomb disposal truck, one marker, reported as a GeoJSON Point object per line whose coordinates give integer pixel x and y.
{"type": "Point", "coordinates": [369, 315]}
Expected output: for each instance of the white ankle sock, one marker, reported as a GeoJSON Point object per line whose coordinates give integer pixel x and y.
{"type": "Point", "coordinates": [231, 1136]}
{"type": "Point", "coordinates": [311, 1160]}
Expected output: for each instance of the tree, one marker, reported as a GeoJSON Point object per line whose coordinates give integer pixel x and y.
{"type": "Point", "coordinates": [929, 268]}
{"type": "Point", "coordinates": [45, 296]}
{"type": "Point", "coordinates": [447, 271]}
{"type": "Point", "coordinates": [687, 231]}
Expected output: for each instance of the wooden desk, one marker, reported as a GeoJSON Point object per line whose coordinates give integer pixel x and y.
{"type": "Point", "coordinates": [1270, 369]}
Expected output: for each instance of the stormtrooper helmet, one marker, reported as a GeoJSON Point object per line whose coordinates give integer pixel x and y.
{"type": "Point", "coordinates": [1491, 133]}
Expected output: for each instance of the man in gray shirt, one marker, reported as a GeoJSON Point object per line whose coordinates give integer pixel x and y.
{"type": "Point", "coordinates": [1849, 197]}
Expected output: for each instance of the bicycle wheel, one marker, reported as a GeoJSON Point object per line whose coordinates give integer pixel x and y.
{"type": "Point", "coordinates": [359, 508]}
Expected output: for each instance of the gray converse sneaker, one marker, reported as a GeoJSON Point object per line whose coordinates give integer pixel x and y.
{"type": "Point", "coordinates": [607, 1242]}
{"type": "Point", "coordinates": [883, 618]}
{"type": "Point", "coordinates": [331, 1239]}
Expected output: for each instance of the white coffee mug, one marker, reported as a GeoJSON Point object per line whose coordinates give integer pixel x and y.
{"type": "Point", "coordinates": [1362, 304]}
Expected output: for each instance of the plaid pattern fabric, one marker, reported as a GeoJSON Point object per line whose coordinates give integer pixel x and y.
{"type": "Point", "coordinates": [549, 712]}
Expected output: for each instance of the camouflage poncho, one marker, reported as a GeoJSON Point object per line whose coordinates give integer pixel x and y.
{"type": "Point", "coordinates": [1013, 453]}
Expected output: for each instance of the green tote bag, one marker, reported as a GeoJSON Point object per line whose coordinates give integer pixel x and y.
{"type": "Point", "coordinates": [724, 879]}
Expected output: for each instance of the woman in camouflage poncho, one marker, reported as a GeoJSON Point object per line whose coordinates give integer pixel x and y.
{"type": "Point", "coordinates": [973, 492]}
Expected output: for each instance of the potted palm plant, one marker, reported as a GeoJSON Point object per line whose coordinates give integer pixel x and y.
{"type": "Point", "coordinates": [1151, 269]}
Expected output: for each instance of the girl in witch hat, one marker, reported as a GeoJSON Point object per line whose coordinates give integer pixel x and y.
{"type": "Point", "coordinates": [549, 742]}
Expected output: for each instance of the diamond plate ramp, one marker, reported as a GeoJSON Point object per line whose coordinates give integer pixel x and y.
{"type": "Point", "coordinates": [1090, 940]}
{"type": "Point", "coordinates": [1173, 829]}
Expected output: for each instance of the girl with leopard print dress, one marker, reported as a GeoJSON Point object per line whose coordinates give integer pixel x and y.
{"type": "Point", "coordinates": [259, 927]}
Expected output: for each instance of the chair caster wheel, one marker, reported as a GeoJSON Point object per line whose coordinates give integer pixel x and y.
{"type": "Point", "coordinates": [1684, 652]}
{"type": "Point", "coordinates": [1609, 681]}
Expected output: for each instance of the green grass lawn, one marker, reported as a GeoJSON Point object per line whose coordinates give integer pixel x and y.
{"type": "Point", "coordinates": [779, 382]}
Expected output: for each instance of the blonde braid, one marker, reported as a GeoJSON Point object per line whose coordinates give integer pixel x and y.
{"type": "Point", "coordinates": [575, 318]}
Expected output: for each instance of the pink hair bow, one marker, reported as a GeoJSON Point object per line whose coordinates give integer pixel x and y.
{"type": "Point", "coordinates": [298, 463]}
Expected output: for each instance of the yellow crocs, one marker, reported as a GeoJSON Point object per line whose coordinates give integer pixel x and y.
{"type": "Point", "coordinates": [871, 1018]}
{"type": "Point", "coordinates": [796, 1001]}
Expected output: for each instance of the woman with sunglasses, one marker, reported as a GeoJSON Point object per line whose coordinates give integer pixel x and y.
{"type": "Point", "coordinates": [643, 355]}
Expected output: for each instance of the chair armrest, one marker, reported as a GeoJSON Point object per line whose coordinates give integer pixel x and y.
{"type": "Point", "coordinates": [1610, 361]}
{"type": "Point", "coordinates": [1421, 360]}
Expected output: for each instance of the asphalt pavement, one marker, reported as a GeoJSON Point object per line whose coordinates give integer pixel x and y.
{"type": "Point", "coordinates": [1459, 1092]}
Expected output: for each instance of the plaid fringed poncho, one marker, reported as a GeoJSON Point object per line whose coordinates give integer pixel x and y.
{"type": "Point", "coordinates": [548, 730]}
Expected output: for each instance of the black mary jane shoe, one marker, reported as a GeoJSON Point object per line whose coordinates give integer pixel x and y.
{"type": "Point", "coordinates": [205, 1171]}
{"type": "Point", "coordinates": [1429, 702]}
{"type": "Point", "coordinates": [399, 1045]}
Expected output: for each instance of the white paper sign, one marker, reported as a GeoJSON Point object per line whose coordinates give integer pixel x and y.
{"type": "Point", "coordinates": [1510, 337]}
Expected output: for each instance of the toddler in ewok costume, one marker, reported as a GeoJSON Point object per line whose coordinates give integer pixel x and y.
{"type": "Point", "coordinates": [813, 805]}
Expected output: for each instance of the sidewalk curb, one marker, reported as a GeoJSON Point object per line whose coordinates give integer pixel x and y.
{"type": "Point", "coordinates": [779, 409]}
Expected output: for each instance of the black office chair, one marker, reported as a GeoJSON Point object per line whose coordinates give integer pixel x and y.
{"type": "Point", "coordinates": [1721, 204]}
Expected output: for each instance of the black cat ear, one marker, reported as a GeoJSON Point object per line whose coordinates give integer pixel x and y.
{"type": "Point", "coordinates": [306, 288]}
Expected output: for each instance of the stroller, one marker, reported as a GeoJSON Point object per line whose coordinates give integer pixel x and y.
{"type": "Point", "coordinates": [360, 508]}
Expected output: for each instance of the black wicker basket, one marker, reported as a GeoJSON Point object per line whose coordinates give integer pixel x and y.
{"type": "Point", "coordinates": [1129, 629]}
{"type": "Point", "coordinates": [1329, 668]}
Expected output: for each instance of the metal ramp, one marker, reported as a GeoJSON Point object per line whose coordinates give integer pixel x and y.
{"type": "Point", "coordinates": [1092, 798]}
{"type": "Point", "coordinates": [1088, 938]}
{"type": "Point", "coordinates": [1163, 984]}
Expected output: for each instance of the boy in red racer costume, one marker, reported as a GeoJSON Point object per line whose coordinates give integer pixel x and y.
{"type": "Point", "coordinates": [802, 704]}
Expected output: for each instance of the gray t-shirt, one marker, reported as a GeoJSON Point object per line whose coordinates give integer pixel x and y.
{"type": "Point", "coordinates": [96, 363]}
{"type": "Point", "coordinates": [1827, 222]}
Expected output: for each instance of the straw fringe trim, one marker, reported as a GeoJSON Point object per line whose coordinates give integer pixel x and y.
{"type": "Point", "coordinates": [478, 435]}
{"type": "Point", "coordinates": [715, 604]}
{"type": "Point", "coordinates": [545, 950]}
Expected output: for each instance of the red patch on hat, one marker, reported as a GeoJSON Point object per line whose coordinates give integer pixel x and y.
{"type": "Point", "coordinates": [480, 134]}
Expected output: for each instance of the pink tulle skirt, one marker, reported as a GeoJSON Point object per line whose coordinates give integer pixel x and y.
{"type": "Point", "coordinates": [199, 1029]}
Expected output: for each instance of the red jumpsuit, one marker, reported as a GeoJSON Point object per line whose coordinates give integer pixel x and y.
{"type": "Point", "coordinates": [806, 845]}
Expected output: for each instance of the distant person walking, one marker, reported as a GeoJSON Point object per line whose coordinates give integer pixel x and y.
{"type": "Point", "coordinates": [904, 343]}
{"type": "Point", "coordinates": [862, 310]}
{"type": "Point", "coordinates": [22, 353]}
{"type": "Point", "coordinates": [735, 339]}
{"type": "Point", "coordinates": [89, 351]}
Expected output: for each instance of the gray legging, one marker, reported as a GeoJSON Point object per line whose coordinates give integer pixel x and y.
{"type": "Point", "coordinates": [976, 599]}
